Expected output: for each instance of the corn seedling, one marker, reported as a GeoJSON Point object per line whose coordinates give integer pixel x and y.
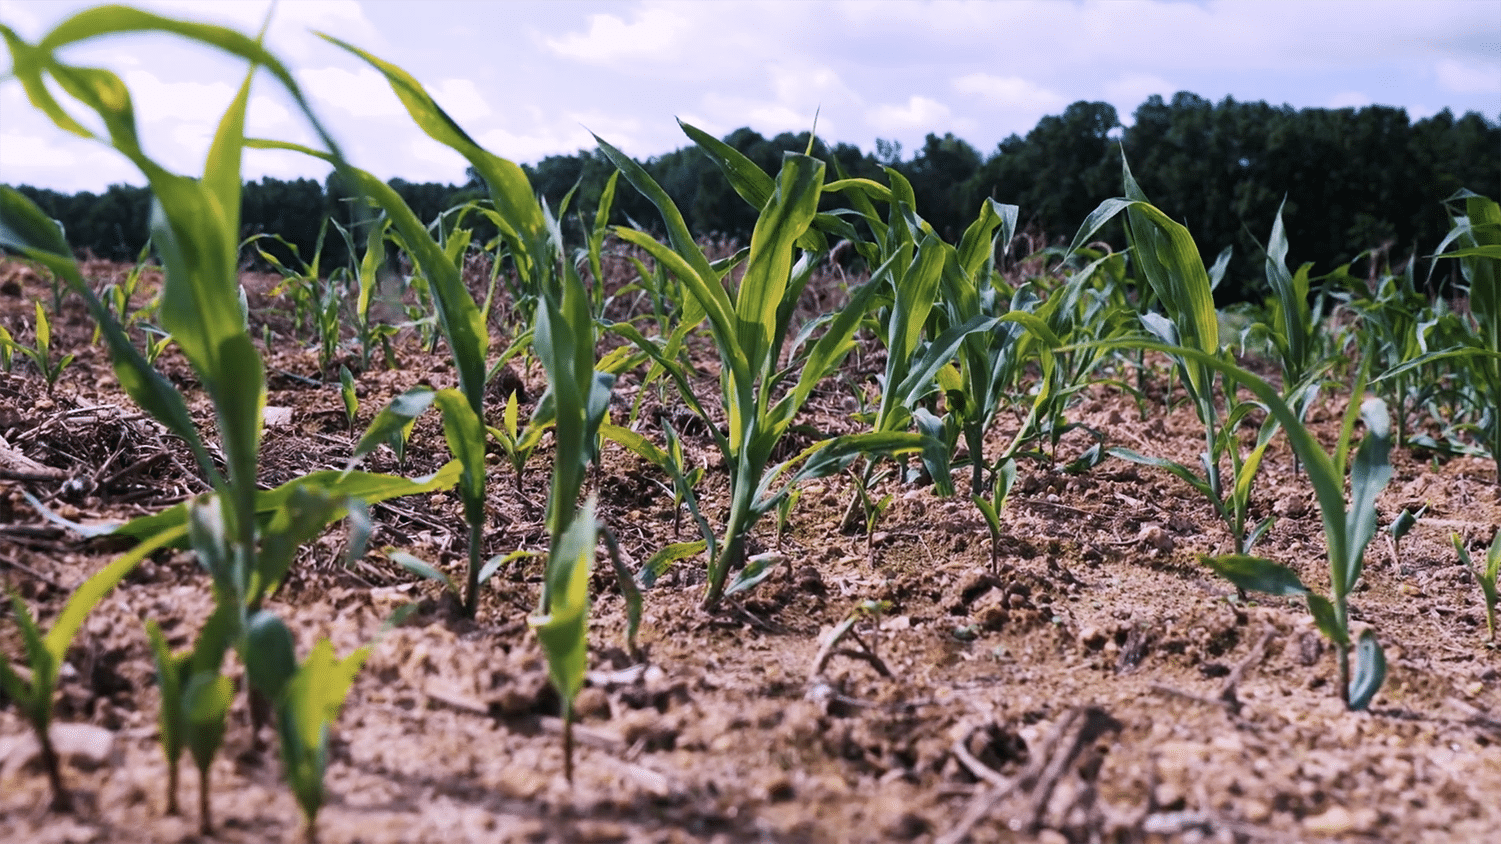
{"type": "Point", "coordinates": [40, 355]}
{"type": "Point", "coordinates": [307, 699]}
{"type": "Point", "coordinates": [348, 396]}
{"type": "Point", "coordinates": [517, 442]}
{"type": "Point", "coordinates": [1347, 530]}
{"type": "Point", "coordinates": [32, 689]}
{"type": "Point", "coordinates": [562, 619]}
{"type": "Point", "coordinates": [195, 223]}
{"type": "Point", "coordinates": [1484, 575]}
{"type": "Point", "coordinates": [195, 704]}
{"type": "Point", "coordinates": [992, 507]}
{"type": "Point", "coordinates": [871, 505]}
{"type": "Point", "coordinates": [750, 332]}
{"type": "Point", "coordinates": [1400, 527]}
{"type": "Point", "coordinates": [1166, 255]}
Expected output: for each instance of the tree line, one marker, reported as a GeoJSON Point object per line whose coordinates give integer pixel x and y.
{"type": "Point", "coordinates": [1353, 180]}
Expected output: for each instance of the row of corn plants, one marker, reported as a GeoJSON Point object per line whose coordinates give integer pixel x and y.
{"type": "Point", "coordinates": [962, 346]}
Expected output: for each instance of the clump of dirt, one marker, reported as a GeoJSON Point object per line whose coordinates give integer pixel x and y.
{"type": "Point", "coordinates": [1099, 684]}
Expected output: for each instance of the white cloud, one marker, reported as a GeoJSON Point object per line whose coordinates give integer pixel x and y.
{"type": "Point", "coordinates": [444, 157]}
{"type": "Point", "coordinates": [191, 101]}
{"type": "Point", "coordinates": [461, 98]}
{"type": "Point", "coordinates": [565, 137]}
{"type": "Point", "coordinates": [1131, 90]}
{"type": "Point", "coordinates": [21, 19]}
{"type": "Point", "coordinates": [1348, 99]}
{"type": "Point", "coordinates": [919, 113]}
{"type": "Point", "coordinates": [362, 93]}
{"type": "Point", "coordinates": [1009, 92]}
{"type": "Point", "coordinates": [29, 151]}
{"type": "Point", "coordinates": [265, 113]}
{"type": "Point", "coordinates": [1476, 78]}
{"type": "Point", "coordinates": [656, 34]}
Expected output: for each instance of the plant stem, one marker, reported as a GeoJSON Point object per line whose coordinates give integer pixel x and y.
{"type": "Point", "coordinates": [172, 807]}
{"type": "Point", "coordinates": [205, 815]}
{"type": "Point", "coordinates": [62, 801]}
{"type": "Point", "coordinates": [476, 540]}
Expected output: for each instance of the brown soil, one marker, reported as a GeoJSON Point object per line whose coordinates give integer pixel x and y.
{"type": "Point", "coordinates": [1101, 686]}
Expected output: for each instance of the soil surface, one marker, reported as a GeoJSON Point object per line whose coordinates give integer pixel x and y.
{"type": "Point", "coordinates": [1099, 685]}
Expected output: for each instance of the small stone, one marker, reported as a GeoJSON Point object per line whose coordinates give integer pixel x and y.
{"type": "Point", "coordinates": [990, 612]}
{"type": "Point", "coordinates": [1336, 821]}
{"type": "Point", "coordinates": [1153, 536]}
{"type": "Point", "coordinates": [1092, 637]}
{"type": "Point", "coordinates": [592, 703]}
{"type": "Point", "coordinates": [1051, 836]}
{"type": "Point", "coordinates": [1256, 811]}
{"type": "Point", "coordinates": [598, 832]}
{"type": "Point", "coordinates": [779, 789]}
{"type": "Point", "coordinates": [1292, 507]}
{"type": "Point", "coordinates": [84, 746]}
{"type": "Point", "coordinates": [910, 826]}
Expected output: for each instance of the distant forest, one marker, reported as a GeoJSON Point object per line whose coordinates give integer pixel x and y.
{"type": "Point", "coordinates": [1354, 180]}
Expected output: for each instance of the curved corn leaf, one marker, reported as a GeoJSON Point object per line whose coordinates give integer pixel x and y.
{"type": "Point", "coordinates": [1256, 574]}
{"type": "Point", "coordinates": [1370, 671]}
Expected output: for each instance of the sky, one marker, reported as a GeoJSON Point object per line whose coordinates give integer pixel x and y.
{"type": "Point", "coordinates": [532, 79]}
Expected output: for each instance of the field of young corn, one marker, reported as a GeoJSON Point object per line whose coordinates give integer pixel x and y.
{"type": "Point", "coordinates": [592, 533]}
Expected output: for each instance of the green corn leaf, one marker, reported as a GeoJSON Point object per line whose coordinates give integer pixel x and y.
{"type": "Point", "coordinates": [495, 563]}
{"type": "Point", "coordinates": [677, 229]}
{"type": "Point", "coordinates": [206, 701]}
{"type": "Point", "coordinates": [660, 562]}
{"type": "Point", "coordinates": [347, 393]}
{"type": "Point", "coordinates": [562, 625]}
{"type": "Point", "coordinates": [1257, 574]}
{"type": "Point", "coordinates": [308, 510]}
{"type": "Point", "coordinates": [1370, 671]}
{"type": "Point", "coordinates": [995, 225]}
{"type": "Point", "coordinates": [33, 697]}
{"type": "Point", "coordinates": [992, 518]}
{"type": "Point", "coordinates": [1369, 475]}
{"type": "Point", "coordinates": [171, 675]}
{"type": "Point", "coordinates": [43, 330]}
{"type": "Point", "coordinates": [509, 187]}
{"type": "Point", "coordinates": [466, 439]}
{"type": "Point", "coordinates": [782, 221]}
{"type": "Point", "coordinates": [423, 569]}
{"type": "Point", "coordinates": [1404, 523]}
{"type": "Point", "coordinates": [1184, 473]}
{"type": "Point", "coordinates": [747, 179]}
{"type": "Point", "coordinates": [756, 570]}
{"type": "Point", "coordinates": [369, 487]}
{"type": "Point", "coordinates": [269, 654]}
{"type": "Point", "coordinates": [392, 418]}
{"type": "Point", "coordinates": [1328, 620]}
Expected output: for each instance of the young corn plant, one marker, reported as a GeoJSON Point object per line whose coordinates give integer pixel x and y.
{"type": "Point", "coordinates": [307, 698]}
{"type": "Point", "coordinates": [1477, 234]}
{"type": "Point", "coordinates": [195, 704]}
{"type": "Point", "coordinates": [32, 689]}
{"type": "Point", "coordinates": [1347, 532]}
{"type": "Point", "coordinates": [1292, 326]}
{"type": "Point", "coordinates": [1484, 575]}
{"type": "Point", "coordinates": [245, 543]}
{"type": "Point", "coordinates": [40, 355]}
{"type": "Point", "coordinates": [750, 331]}
{"type": "Point", "coordinates": [1165, 254]}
